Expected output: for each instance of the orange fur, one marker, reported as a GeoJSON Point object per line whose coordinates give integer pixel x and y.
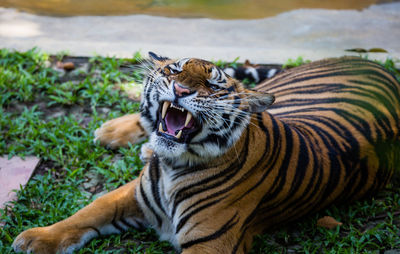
{"type": "Point", "coordinates": [121, 131]}
{"type": "Point", "coordinates": [302, 155]}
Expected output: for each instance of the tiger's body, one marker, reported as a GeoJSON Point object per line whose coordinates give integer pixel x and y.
{"type": "Point", "coordinates": [221, 169]}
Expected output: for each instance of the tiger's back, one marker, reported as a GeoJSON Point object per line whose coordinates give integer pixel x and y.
{"type": "Point", "coordinates": [345, 114]}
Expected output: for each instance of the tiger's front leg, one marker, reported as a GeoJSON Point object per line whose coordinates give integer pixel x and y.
{"type": "Point", "coordinates": [121, 131]}
{"type": "Point", "coordinates": [111, 213]}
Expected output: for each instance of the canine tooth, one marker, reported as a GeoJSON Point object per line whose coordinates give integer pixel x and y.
{"type": "Point", "coordinates": [188, 118]}
{"type": "Point", "coordinates": [178, 136]}
{"type": "Point", "coordinates": [164, 109]}
{"type": "Point", "coordinates": [160, 129]}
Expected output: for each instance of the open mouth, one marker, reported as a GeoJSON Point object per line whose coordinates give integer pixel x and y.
{"type": "Point", "coordinates": [176, 122]}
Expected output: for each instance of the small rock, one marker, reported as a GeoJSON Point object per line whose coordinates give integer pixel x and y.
{"type": "Point", "coordinates": [85, 121]}
{"type": "Point", "coordinates": [294, 248]}
{"type": "Point", "coordinates": [13, 174]}
{"type": "Point", "coordinates": [132, 90]}
{"type": "Point", "coordinates": [61, 72]}
{"type": "Point", "coordinates": [56, 114]}
{"type": "Point", "coordinates": [103, 110]}
{"type": "Point", "coordinates": [47, 64]}
{"type": "Point", "coordinates": [76, 111]}
{"type": "Point", "coordinates": [93, 179]}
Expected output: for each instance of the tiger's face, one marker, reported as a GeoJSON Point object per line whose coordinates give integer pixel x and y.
{"type": "Point", "coordinates": [194, 110]}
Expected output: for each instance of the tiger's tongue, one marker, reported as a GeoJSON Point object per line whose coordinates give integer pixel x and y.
{"type": "Point", "coordinates": [174, 120]}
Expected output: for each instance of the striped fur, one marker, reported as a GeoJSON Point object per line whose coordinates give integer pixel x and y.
{"type": "Point", "coordinates": [331, 136]}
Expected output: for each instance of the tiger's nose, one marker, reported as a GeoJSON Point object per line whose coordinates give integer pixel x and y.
{"type": "Point", "coordinates": [180, 91]}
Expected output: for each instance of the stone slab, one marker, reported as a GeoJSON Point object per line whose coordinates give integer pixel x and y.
{"type": "Point", "coordinates": [311, 33]}
{"type": "Point", "coordinates": [14, 173]}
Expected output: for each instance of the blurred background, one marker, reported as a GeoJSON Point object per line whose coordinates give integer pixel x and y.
{"type": "Point", "coordinates": [255, 30]}
{"type": "Point", "coordinates": [220, 9]}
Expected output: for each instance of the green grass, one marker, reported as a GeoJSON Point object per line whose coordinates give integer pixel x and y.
{"type": "Point", "coordinates": [43, 114]}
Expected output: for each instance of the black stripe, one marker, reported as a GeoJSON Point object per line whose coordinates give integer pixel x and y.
{"type": "Point", "coordinates": [278, 149]}
{"type": "Point", "coordinates": [355, 120]}
{"type": "Point", "coordinates": [114, 220]}
{"type": "Point", "coordinates": [213, 181]}
{"type": "Point", "coordinates": [154, 171]}
{"type": "Point", "coordinates": [127, 223]}
{"type": "Point", "coordinates": [313, 88]}
{"type": "Point", "coordinates": [240, 239]}
{"type": "Point", "coordinates": [388, 95]}
{"type": "Point", "coordinates": [350, 191]}
{"type": "Point", "coordinates": [227, 226]}
{"type": "Point", "coordinates": [115, 224]}
{"type": "Point", "coordinates": [202, 186]}
{"type": "Point", "coordinates": [214, 139]}
{"type": "Point", "coordinates": [312, 188]}
{"type": "Point", "coordinates": [95, 229]}
{"type": "Point", "coordinates": [185, 218]}
{"type": "Point", "coordinates": [335, 170]}
{"type": "Point", "coordinates": [351, 72]}
{"type": "Point", "coordinates": [190, 150]}
{"type": "Point", "coordinates": [270, 161]}
{"type": "Point", "coordinates": [301, 167]}
{"type": "Point", "coordinates": [147, 203]}
{"type": "Point", "coordinates": [280, 180]}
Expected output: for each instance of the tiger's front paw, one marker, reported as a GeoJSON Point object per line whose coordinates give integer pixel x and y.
{"type": "Point", "coordinates": [121, 131]}
{"type": "Point", "coordinates": [46, 240]}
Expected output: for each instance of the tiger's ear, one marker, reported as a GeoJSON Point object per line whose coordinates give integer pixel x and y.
{"type": "Point", "coordinates": [157, 58]}
{"type": "Point", "coordinates": [257, 101]}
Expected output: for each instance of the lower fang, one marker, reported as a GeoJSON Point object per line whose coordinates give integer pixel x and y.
{"type": "Point", "coordinates": [160, 129]}
{"type": "Point", "coordinates": [178, 136]}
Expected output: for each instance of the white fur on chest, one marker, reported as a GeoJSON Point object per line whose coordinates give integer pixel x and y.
{"type": "Point", "coordinates": [166, 189]}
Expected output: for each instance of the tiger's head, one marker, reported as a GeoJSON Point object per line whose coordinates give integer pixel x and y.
{"type": "Point", "coordinates": [193, 110]}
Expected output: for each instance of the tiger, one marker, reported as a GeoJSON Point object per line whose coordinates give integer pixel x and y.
{"type": "Point", "coordinates": [225, 162]}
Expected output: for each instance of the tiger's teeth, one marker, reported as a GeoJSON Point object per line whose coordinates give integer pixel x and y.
{"type": "Point", "coordinates": [160, 129]}
{"type": "Point", "coordinates": [188, 118]}
{"type": "Point", "coordinates": [164, 109]}
{"type": "Point", "coordinates": [177, 107]}
{"type": "Point", "coordinates": [178, 136]}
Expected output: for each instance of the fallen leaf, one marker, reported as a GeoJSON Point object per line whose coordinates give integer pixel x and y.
{"type": "Point", "coordinates": [372, 50]}
{"type": "Point", "coordinates": [328, 222]}
{"type": "Point", "coordinates": [377, 50]}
